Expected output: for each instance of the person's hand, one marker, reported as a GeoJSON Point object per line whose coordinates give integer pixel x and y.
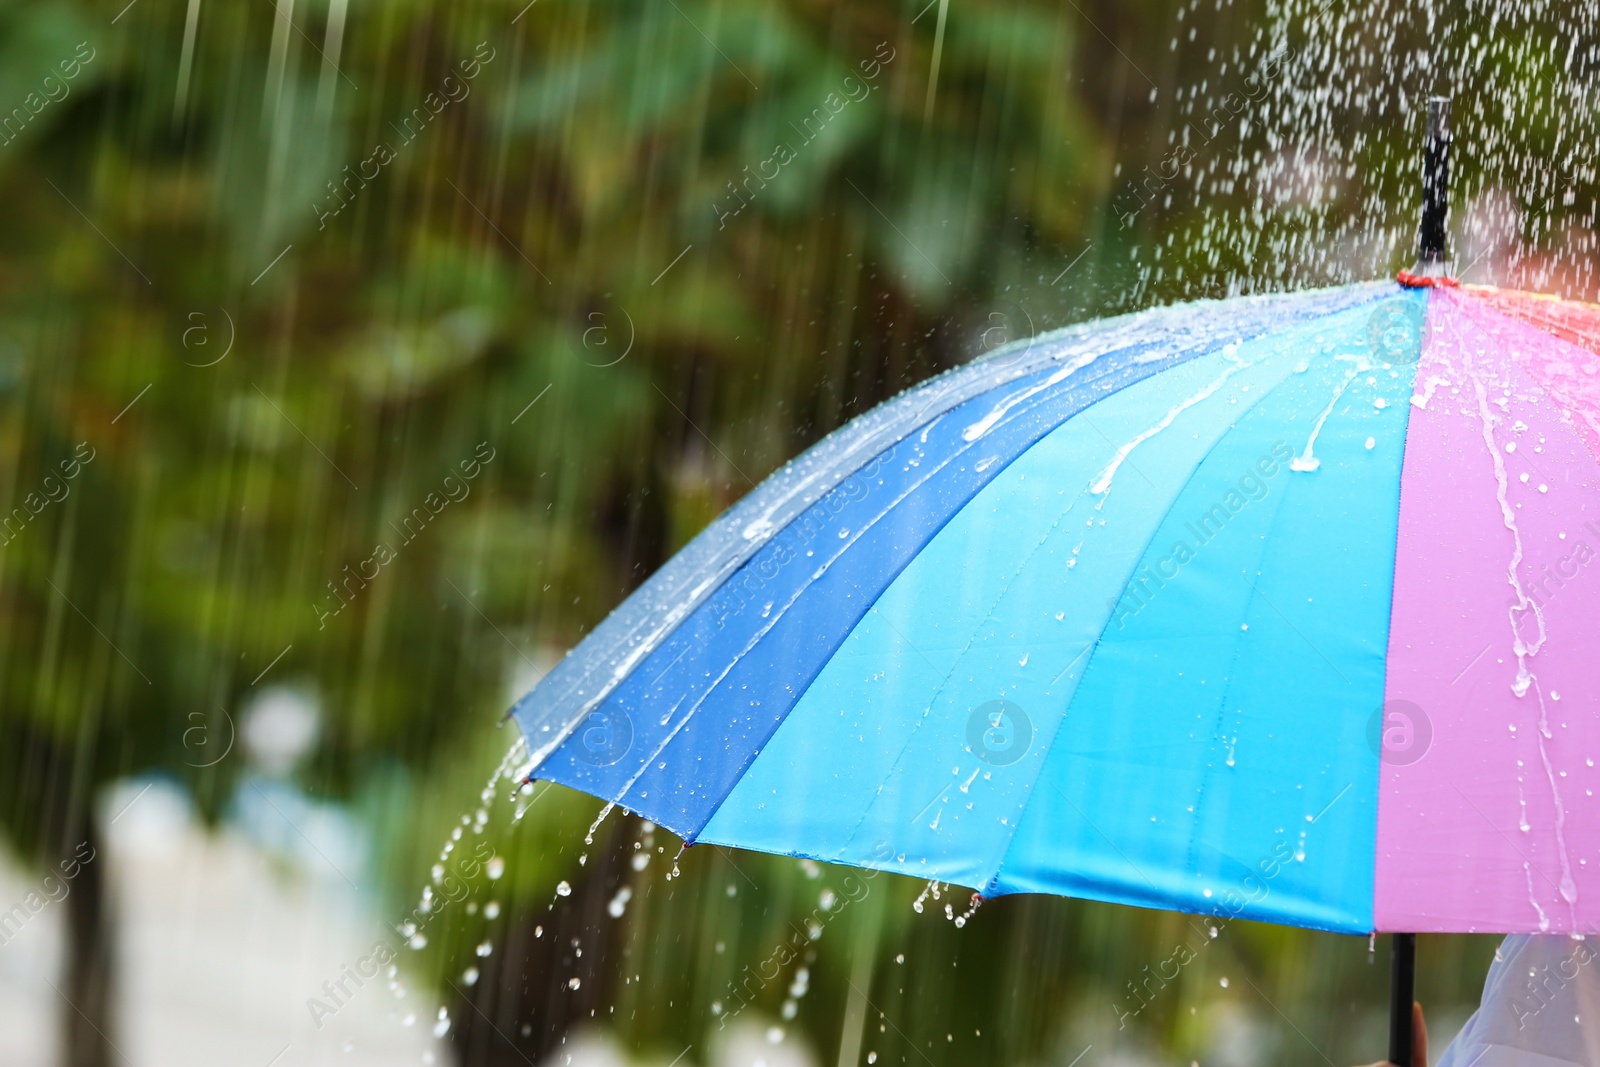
{"type": "Point", "coordinates": [1419, 1040]}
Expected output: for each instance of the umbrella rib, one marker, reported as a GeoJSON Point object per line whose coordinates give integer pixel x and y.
{"type": "Point", "coordinates": [1151, 540]}
{"type": "Point", "coordinates": [945, 676]}
{"type": "Point", "coordinates": [1201, 349]}
{"type": "Point", "coordinates": [1076, 345]}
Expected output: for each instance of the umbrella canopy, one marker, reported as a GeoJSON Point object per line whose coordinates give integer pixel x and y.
{"type": "Point", "coordinates": [1280, 605]}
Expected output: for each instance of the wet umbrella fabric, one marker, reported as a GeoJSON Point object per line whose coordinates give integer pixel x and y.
{"type": "Point", "coordinates": [1281, 605]}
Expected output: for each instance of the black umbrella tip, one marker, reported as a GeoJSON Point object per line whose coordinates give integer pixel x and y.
{"type": "Point", "coordinates": [1433, 257]}
{"type": "Point", "coordinates": [1439, 118]}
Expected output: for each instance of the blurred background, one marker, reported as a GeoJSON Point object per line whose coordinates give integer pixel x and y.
{"type": "Point", "coordinates": [357, 357]}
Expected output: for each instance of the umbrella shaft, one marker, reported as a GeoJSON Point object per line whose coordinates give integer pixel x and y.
{"type": "Point", "coordinates": [1402, 990]}
{"type": "Point", "coordinates": [1435, 183]}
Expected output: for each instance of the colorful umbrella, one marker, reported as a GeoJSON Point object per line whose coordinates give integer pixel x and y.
{"type": "Point", "coordinates": [1118, 614]}
{"type": "Point", "coordinates": [1283, 608]}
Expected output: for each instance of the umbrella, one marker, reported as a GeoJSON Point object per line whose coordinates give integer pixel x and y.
{"type": "Point", "coordinates": [1276, 607]}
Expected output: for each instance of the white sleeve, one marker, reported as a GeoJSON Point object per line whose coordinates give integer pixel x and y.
{"type": "Point", "coordinates": [1540, 1008]}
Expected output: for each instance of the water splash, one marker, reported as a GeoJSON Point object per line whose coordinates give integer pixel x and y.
{"type": "Point", "coordinates": [1307, 461]}
{"type": "Point", "coordinates": [1289, 153]}
{"type": "Point", "coordinates": [1522, 608]}
{"type": "Point", "coordinates": [1230, 352]}
{"type": "Point", "coordinates": [1522, 605]}
{"type": "Point", "coordinates": [609, 806]}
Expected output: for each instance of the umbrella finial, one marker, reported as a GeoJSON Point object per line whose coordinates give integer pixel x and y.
{"type": "Point", "coordinates": [1433, 260]}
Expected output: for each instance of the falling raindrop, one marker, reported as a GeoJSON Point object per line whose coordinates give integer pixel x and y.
{"type": "Point", "coordinates": [619, 903]}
